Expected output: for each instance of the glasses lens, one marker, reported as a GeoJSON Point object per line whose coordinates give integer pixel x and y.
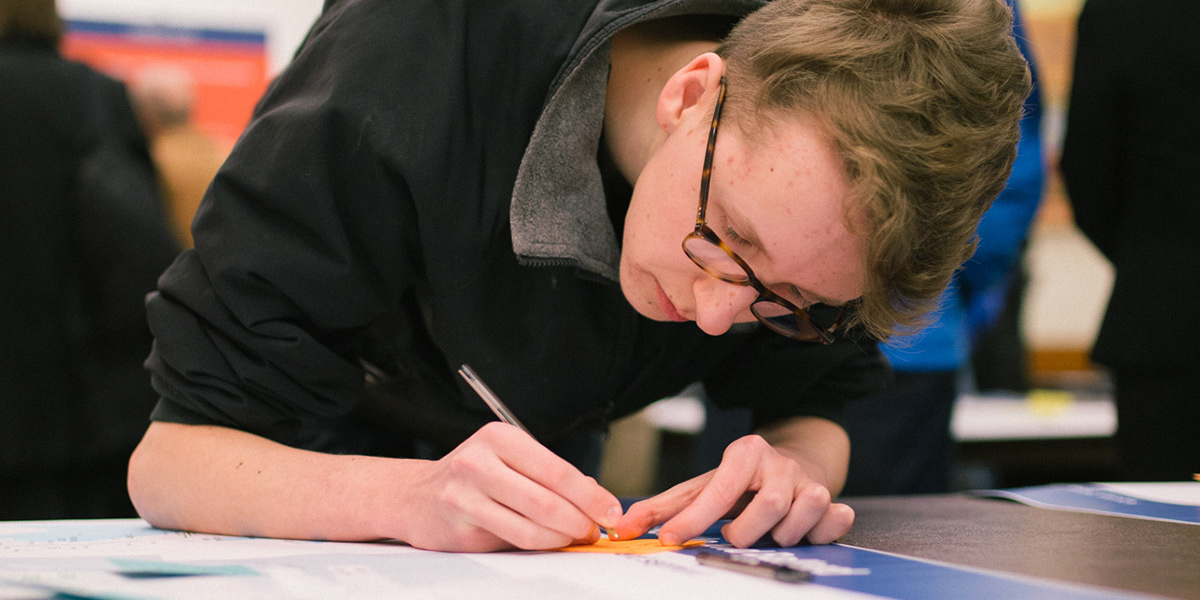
{"type": "Point", "coordinates": [782, 320]}
{"type": "Point", "coordinates": [714, 260]}
{"type": "Point", "coordinates": [823, 316]}
{"type": "Point", "coordinates": [810, 325]}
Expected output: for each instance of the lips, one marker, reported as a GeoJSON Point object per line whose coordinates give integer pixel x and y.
{"type": "Point", "coordinates": [664, 303]}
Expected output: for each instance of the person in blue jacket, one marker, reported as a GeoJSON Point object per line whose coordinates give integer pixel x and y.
{"type": "Point", "coordinates": [900, 438]}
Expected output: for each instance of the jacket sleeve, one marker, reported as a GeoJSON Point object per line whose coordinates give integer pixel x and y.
{"type": "Point", "coordinates": [304, 240]}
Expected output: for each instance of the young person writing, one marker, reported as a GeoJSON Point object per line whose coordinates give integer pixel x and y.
{"type": "Point", "coordinates": [517, 185]}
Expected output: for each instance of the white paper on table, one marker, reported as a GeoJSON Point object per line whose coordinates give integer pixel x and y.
{"type": "Point", "coordinates": [72, 556]}
{"type": "Point", "coordinates": [1186, 493]}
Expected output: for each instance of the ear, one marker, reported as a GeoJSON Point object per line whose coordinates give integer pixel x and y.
{"type": "Point", "coordinates": [691, 89]}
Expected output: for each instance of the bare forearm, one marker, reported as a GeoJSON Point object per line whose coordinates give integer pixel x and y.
{"type": "Point", "coordinates": [220, 480]}
{"type": "Point", "coordinates": [820, 446]}
{"type": "Point", "coordinates": [497, 490]}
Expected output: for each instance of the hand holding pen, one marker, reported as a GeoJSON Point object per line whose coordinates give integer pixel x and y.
{"type": "Point", "coordinates": [502, 489]}
{"type": "Point", "coordinates": [502, 411]}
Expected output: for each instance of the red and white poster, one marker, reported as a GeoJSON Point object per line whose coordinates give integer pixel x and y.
{"type": "Point", "coordinates": [227, 69]}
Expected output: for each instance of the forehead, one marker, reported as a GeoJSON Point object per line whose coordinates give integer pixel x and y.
{"type": "Point", "coordinates": [786, 184]}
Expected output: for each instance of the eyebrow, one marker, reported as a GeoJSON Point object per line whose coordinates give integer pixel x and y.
{"type": "Point", "coordinates": [747, 231]}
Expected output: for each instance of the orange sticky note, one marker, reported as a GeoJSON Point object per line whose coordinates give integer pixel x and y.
{"type": "Point", "coordinates": [1196, 476]}
{"type": "Point", "coordinates": [638, 546]}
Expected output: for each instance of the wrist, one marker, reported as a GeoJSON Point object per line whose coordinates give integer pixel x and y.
{"type": "Point", "coordinates": [373, 497]}
{"type": "Point", "coordinates": [821, 448]}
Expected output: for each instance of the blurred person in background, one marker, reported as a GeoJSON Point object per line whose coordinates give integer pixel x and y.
{"type": "Point", "coordinates": [900, 438]}
{"type": "Point", "coordinates": [83, 240]}
{"type": "Point", "coordinates": [1131, 164]}
{"type": "Point", "coordinates": [186, 158]}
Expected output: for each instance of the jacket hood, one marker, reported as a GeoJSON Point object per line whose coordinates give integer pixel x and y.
{"type": "Point", "coordinates": [558, 212]}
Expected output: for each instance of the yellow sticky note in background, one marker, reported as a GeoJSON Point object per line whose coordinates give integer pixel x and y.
{"type": "Point", "coordinates": [1049, 403]}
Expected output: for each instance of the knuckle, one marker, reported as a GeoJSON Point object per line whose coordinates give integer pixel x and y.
{"type": "Point", "coordinates": [582, 529]}
{"type": "Point", "coordinates": [493, 430]}
{"type": "Point", "coordinates": [786, 538]}
{"type": "Point", "coordinates": [540, 507]}
{"type": "Point", "coordinates": [598, 496]}
{"type": "Point", "coordinates": [814, 496]}
{"type": "Point", "coordinates": [735, 535]}
{"type": "Point", "coordinates": [572, 522]}
{"type": "Point", "coordinates": [557, 475]}
{"type": "Point", "coordinates": [596, 492]}
{"type": "Point", "coordinates": [466, 464]}
{"type": "Point", "coordinates": [641, 512]}
{"type": "Point", "coordinates": [773, 503]}
{"type": "Point", "coordinates": [642, 516]}
{"type": "Point", "coordinates": [791, 468]}
{"type": "Point", "coordinates": [749, 443]}
{"type": "Point", "coordinates": [452, 497]}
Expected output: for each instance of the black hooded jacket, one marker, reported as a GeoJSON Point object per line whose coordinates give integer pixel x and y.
{"type": "Point", "coordinates": [421, 189]}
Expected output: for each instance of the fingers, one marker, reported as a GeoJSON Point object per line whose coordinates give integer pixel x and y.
{"type": "Point", "coordinates": [809, 505]}
{"type": "Point", "coordinates": [503, 482]}
{"type": "Point", "coordinates": [785, 502]}
{"type": "Point", "coordinates": [836, 523]}
{"type": "Point", "coordinates": [488, 525]}
{"type": "Point", "coordinates": [740, 471]}
{"type": "Point", "coordinates": [525, 455]}
{"type": "Point", "coordinates": [644, 515]}
{"type": "Point", "coordinates": [547, 510]}
{"type": "Point", "coordinates": [787, 514]}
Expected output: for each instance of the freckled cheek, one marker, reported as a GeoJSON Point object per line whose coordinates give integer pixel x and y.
{"type": "Point", "coordinates": [735, 170]}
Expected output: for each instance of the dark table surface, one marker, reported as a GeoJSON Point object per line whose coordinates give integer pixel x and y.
{"type": "Point", "coordinates": [1138, 555]}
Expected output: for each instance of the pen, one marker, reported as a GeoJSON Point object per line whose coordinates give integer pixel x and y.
{"type": "Point", "coordinates": [489, 397]}
{"type": "Point", "coordinates": [493, 401]}
{"type": "Point", "coordinates": [751, 566]}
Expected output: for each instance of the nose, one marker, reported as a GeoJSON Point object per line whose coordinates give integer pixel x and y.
{"type": "Point", "coordinates": [720, 304]}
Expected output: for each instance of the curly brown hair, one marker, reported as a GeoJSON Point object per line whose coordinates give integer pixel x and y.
{"type": "Point", "coordinates": [922, 100]}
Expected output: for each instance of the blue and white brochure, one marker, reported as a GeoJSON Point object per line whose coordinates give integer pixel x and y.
{"type": "Point", "coordinates": [1175, 501]}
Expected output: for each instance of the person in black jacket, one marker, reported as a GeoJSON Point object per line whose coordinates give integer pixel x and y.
{"type": "Point", "coordinates": [1131, 165]}
{"type": "Point", "coordinates": [571, 197]}
{"type": "Point", "coordinates": [83, 241]}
